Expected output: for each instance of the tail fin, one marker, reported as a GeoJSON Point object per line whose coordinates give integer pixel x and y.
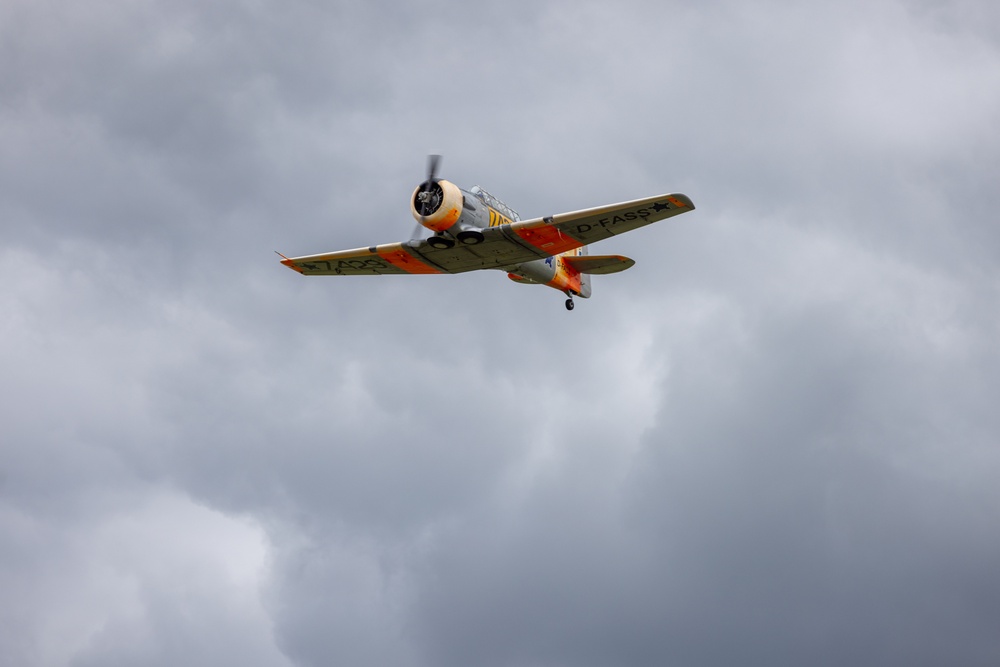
{"type": "Point", "coordinates": [585, 289]}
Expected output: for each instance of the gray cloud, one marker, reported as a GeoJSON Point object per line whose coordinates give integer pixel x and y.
{"type": "Point", "coordinates": [772, 441]}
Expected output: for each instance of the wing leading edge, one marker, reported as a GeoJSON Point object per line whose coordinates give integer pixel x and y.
{"type": "Point", "coordinates": [504, 246]}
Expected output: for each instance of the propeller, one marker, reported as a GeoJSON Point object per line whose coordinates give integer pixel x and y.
{"type": "Point", "coordinates": [429, 197]}
{"type": "Point", "coordinates": [426, 198]}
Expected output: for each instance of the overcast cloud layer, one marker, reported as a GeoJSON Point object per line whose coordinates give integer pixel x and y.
{"type": "Point", "coordinates": [774, 441]}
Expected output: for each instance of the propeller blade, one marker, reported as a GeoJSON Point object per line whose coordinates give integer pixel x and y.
{"type": "Point", "coordinates": [417, 232]}
{"type": "Point", "coordinates": [432, 167]}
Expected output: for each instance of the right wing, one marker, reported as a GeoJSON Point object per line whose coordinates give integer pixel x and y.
{"type": "Point", "coordinates": [388, 259]}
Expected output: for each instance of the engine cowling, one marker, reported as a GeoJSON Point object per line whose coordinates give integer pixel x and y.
{"type": "Point", "coordinates": [437, 207]}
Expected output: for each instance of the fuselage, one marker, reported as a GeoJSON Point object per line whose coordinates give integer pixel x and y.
{"type": "Point", "coordinates": [458, 216]}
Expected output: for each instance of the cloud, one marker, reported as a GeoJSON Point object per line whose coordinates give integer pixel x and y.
{"type": "Point", "coordinates": [772, 439]}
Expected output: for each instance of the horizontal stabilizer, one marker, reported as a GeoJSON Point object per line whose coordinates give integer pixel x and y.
{"type": "Point", "coordinates": [599, 264]}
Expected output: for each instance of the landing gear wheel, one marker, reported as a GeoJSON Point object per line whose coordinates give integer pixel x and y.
{"type": "Point", "coordinates": [569, 304]}
{"type": "Point", "coordinates": [471, 237]}
{"type": "Point", "coordinates": [440, 242]}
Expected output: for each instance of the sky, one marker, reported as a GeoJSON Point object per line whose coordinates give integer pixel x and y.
{"type": "Point", "coordinates": [774, 441]}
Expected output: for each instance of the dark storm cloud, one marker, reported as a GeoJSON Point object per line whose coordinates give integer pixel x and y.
{"type": "Point", "coordinates": [773, 440]}
{"type": "Point", "coordinates": [801, 478]}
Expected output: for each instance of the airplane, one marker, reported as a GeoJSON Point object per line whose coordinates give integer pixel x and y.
{"type": "Point", "coordinates": [474, 230]}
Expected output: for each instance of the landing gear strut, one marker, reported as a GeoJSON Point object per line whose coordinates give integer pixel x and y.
{"type": "Point", "coordinates": [569, 301]}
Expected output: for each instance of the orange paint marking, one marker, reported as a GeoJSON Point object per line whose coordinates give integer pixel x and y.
{"type": "Point", "coordinates": [566, 278]}
{"type": "Point", "coordinates": [405, 261]}
{"type": "Point", "coordinates": [444, 222]}
{"type": "Point", "coordinates": [289, 263]}
{"type": "Point", "coordinates": [549, 239]}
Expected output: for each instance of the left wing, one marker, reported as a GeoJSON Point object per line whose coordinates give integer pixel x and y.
{"type": "Point", "coordinates": [504, 246]}
{"type": "Point", "coordinates": [559, 233]}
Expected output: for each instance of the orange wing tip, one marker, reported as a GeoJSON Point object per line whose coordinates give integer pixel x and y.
{"type": "Point", "coordinates": [287, 262]}
{"type": "Point", "coordinates": [680, 201]}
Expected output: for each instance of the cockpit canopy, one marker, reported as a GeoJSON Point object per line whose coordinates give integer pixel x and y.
{"type": "Point", "coordinates": [494, 203]}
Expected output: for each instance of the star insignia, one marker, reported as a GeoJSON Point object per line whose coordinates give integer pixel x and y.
{"type": "Point", "coordinates": [660, 206]}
